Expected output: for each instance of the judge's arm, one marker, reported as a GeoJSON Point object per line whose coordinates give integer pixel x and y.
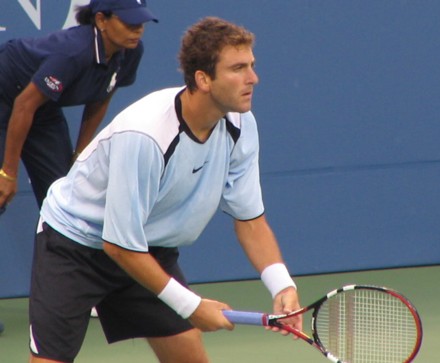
{"type": "Point", "coordinates": [20, 122]}
{"type": "Point", "coordinates": [92, 117]}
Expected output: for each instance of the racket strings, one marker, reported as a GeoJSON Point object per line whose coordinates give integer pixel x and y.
{"type": "Point", "coordinates": [365, 326]}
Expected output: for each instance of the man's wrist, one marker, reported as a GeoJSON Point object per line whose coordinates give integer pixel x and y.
{"type": "Point", "coordinates": [182, 300]}
{"type": "Point", "coordinates": [276, 278]}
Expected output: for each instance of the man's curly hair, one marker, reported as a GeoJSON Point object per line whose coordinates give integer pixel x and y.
{"type": "Point", "coordinates": [202, 43]}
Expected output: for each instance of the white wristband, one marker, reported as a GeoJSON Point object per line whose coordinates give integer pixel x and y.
{"type": "Point", "coordinates": [276, 278]}
{"type": "Point", "coordinates": [183, 301]}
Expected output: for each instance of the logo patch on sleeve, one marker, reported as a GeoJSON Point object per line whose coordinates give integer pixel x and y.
{"type": "Point", "coordinates": [54, 84]}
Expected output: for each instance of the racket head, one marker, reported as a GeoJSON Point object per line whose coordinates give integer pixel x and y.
{"type": "Point", "coordinates": [364, 324]}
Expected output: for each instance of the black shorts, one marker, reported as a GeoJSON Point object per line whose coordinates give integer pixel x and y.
{"type": "Point", "coordinates": [68, 279]}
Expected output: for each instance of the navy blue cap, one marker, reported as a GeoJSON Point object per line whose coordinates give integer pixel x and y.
{"type": "Point", "coordinates": [129, 11]}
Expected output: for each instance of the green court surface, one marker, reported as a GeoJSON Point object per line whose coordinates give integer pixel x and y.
{"type": "Point", "coordinates": [246, 344]}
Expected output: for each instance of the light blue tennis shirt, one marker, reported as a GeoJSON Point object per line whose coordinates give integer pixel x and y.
{"type": "Point", "coordinates": [145, 180]}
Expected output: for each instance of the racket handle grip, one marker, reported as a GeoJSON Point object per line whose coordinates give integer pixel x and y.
{"type": "Point", "coordinates": [244, 317]}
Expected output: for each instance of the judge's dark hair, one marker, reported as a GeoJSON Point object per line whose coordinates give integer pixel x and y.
{"type": "Point", "coordinates": [84, 15]}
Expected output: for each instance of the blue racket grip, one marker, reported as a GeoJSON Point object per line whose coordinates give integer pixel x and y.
{"type": "Point", "coordinates": [244, 317]}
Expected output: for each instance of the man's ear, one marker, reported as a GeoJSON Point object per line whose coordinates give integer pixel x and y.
{"type": "Point", "coordinates": [203, 81]}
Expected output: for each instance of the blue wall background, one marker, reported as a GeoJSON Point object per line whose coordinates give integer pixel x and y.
{"type": "Point", "coordinates": [348, 107]}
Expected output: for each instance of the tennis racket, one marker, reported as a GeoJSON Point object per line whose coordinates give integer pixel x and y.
{"type": "Point", "coordinates": [353, 324]}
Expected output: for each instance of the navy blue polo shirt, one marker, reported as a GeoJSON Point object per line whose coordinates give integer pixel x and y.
{"type": "Point", "coordinates": [68, 66]}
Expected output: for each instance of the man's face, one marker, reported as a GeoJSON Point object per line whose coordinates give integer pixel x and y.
{"type": "Point", "coordinates": [232, 88]}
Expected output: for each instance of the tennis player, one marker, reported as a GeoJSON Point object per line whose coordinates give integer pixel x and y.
{"type": "Point", "coordinates": [148, 183]}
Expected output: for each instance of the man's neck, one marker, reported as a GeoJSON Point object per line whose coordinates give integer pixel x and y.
{"type": "Point", "coordinates": [199, 113]}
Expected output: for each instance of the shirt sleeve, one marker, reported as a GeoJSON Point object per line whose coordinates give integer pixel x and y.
{"type": "Point", "coordinates": [136, 164]}
{"type": "Point", "coordinates": [55, 74]}
{"type": "Point", "coordinates": [242, 197]}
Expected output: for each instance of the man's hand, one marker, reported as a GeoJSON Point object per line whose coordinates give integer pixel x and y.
{"type": "Point", "coordinates": [209, 316]}
{"type": "Point", "coordinates": [286, 302]}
